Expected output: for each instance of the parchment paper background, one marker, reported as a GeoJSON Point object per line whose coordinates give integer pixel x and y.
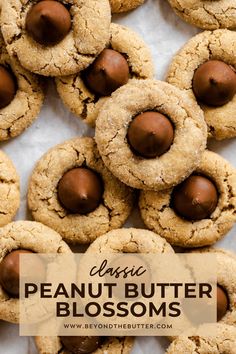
{"type": "Point", "coordinates": [165, 33]}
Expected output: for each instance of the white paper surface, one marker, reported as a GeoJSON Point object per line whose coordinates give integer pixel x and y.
{"type": "Point", "coordinates": [165, 33]}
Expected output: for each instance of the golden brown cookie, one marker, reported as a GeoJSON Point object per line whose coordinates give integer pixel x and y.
{"type": "Point", "coordinates": [206, 14]}
{"type": "Point", "coordinates": [112, 345]}
{"type": "Point", "coordinates": [130, 240]}
{"type": "Point", "coordinates": [224, 341]}
{"type": "Point", "coordinates": [216, 45]}
{"type": "Point", "coordinates": [25, 103]}
{"type": "Point", "coordinates": [187, 146]}
{"type": "Point", "coordinates": [26, 235]}
{"type": "Point", "coordinates": [112, 211]}
{"type": "Point", "coordinates": [80, 99]}
{"type": "Point", "coordinates": [226, 279]}
{"type": "Point", "coordinates": [88, 35]}
{"type": "Point", "coordinates": [159, 215]}
{"type": "Point", "coordinates": [9, 190]}
{"type": "Point", "coordinates": [124, 5]}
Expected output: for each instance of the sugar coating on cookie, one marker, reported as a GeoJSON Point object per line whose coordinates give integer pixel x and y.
{"type": "Point", "coordinates": [86, 104]}
{"type": "Point", "coordinates": [159, 215]}
{"type": "Point", "coordinates": [9, 190]}
{"type": "Point", "coordinates": [130, 240]}
{"type": "Point", "coordinates": [221, 340]}
{"type": "Point", "coordinates": [206, 14]}
{"type": "Point", "coordinates": [88, 35]}
{"type": "Point", "coordinates": [113, 124]}
{"type": "Point", "coordinates": [218, 45]}
{"type": "Point", "coordinates": [112, 211]}
{"type": "Point", "coordinates": [22, 109]}
{"type": "Point", "coordinates": [115, 345]}
{"type": "Point", "coordinates": [124, 5]}
{"type": "Point", "coordinates": [25, 235]}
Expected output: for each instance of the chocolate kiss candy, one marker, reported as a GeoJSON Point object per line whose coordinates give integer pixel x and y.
{"type": "Point", "coordinates": [107, 73]}
{"type": "Point", "coordinates": [150, 134]}
{"type": "Point", "coordinates": [10, 271]}
{"type": "Point", "coordinates": [214, 83]}
{"type": "Point", "coordinates": [48, 22]}
{"type": "Point", "coordinates": [7, 87]}
{"type": "Point", "coordinates": [80, 190]}
{"type": "Point", "coordinates": [81, 345]}
{"type": "Point", "coordinates": [222, 303]}
{"type": "Point", "coordinates": [196, 198]}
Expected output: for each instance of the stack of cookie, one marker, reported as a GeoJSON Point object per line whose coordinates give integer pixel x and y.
{"type": "Point", "coordinates": [150, 144]}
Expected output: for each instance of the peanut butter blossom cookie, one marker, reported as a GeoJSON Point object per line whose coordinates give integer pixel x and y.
{"type": "Point", "coordinates": [84, 345]}
{"type": "Point", "coordinates": [17, 238]}
{"type": "Point", "coordinates": [73, 192]}
{"type": "Point", "coordinates": [130, 241]}
{"type": "Point", "coordinates": [126, 57]}
{"type": "Point", "coordinates": [197, 212]}
{"type": "Point", "coordinates": [221, 340]}
{"type": "Point", "coordinates": [9, 190]}
{"type": "Point", "coordinates": [144, 128]}
{"type": "Point", "coordinates": [21, 96]}
{"type": "Point", "coordinates": [54, 38]}
{"type": "Point", "coordinates": [124, 5]}
{"type": "Point", "coordinates": [226, 284]}
{"type": "Point", "coordinates": [206, 69]}
{"type": "Point", "coordinates": [206, 14]}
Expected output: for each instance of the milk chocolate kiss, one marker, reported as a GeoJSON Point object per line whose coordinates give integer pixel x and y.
{"type": "Point", "coordinates": [150, 134]}
{"type": "Point", "coordinates": [214, 83]}
{"type": "Point", "coordinates": [48, 22]}
{"type": "Point", "coordinates": [80, 190]}
{"type": "Point", "coordinates": [10, 271]}
{"type": "Point", "coordinates": [222, 303]}
{"type": "Point", "coordinates": [7, 87]}
{"type": "Point", "coordinates": [196, 198]}
{"type": "Point", "coordinates": [107, 73]}
{"type": "Point", "coordinates": [81, 345]}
